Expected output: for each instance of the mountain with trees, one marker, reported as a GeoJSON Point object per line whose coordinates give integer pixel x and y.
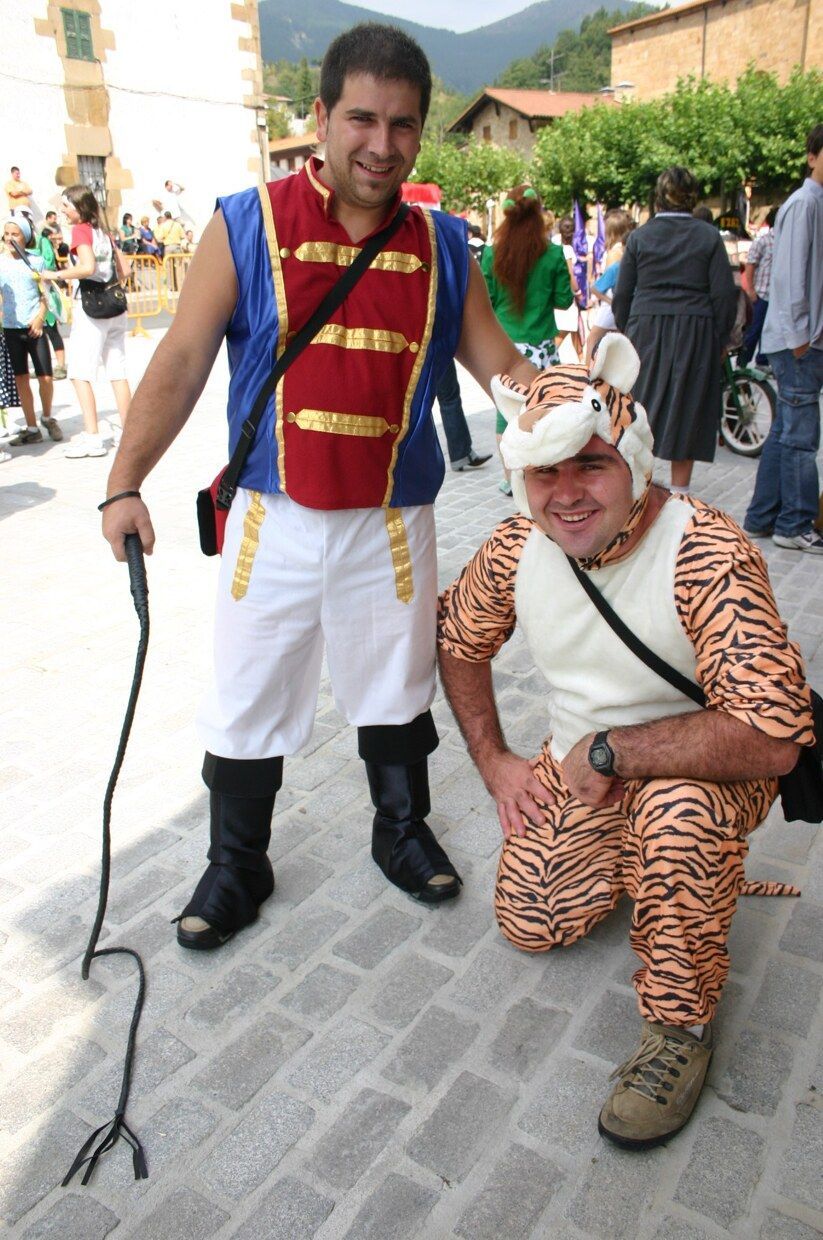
{"type": "Point", "coordinates": [577, 59]}
{"type": "Point", "coordinates": [465, 62]}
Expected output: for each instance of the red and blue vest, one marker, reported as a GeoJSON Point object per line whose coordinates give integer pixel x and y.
{"type": "Point", "coordinates": [350, 424]}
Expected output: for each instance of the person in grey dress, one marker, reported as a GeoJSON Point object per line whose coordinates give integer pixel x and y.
{"type": "Point", "coordinates": [675, 300]}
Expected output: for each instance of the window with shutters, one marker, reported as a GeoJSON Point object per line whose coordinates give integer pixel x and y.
{"type": "Point", "coordinates": [487, 133]}
{"type": "Point", "coordinates": [77, 29]}
{"type": "Point", "coordinates": [91, 171]}
{"type": "Point", "coordinates": [512, 130]}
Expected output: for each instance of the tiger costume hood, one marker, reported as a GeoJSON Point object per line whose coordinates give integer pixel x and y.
{"type": "Point", "coordinates": [557, 414]}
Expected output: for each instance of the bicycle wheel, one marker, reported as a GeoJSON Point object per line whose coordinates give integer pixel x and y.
{"type": "Point", "coordinates": [748, 409]}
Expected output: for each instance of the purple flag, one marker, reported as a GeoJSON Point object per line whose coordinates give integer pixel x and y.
{"type": "Point", "coordinates": [580, 245]}
{"type": "Point", "coordinates": [599, 247]}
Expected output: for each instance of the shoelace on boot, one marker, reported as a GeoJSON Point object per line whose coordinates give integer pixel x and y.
{"type": "Point", "coordinates": [645, 1072]}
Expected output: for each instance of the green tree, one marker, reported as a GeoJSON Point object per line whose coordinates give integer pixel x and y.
{"type": "Point", "coordinates": [306, 89]}
{"type": "Point", "coordinates": [525, 73]}
{"type": "Point", "coordinates": [295, 81]}
{"type": "Point", "coordinates": [468, 175]}
{"type": "Point", "coordinates": [441, 163]}
{"type": "Point", "coordinates": [614, 153]}
{"type": "Point", "coordinates": [446, 105]}
{"type": "Point", "coordinates": [775, 122]}
{"type": "Point", "coordinates": [277, 121]}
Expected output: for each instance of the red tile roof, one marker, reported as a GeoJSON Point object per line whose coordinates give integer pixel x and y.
{"type": "Point", "coordinates": [534, 104]}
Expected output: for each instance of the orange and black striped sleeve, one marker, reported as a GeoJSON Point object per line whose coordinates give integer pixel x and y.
{"type": "Point", "coordinates": [476, 613]}
{"type": "Point", "coordinates": [746, 664]}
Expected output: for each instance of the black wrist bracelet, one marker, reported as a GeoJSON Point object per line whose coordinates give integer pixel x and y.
{"type": "Point", "coordinates": [114, 498]}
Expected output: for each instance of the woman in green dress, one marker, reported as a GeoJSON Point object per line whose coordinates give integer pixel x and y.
{"type": "Point", "coordinates": [528, 280]}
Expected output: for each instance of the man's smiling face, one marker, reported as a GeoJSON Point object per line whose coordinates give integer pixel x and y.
{"type": "Point", "coordinates": [372, 138]}
{"type": "Point", "coordinates": [585, 501]}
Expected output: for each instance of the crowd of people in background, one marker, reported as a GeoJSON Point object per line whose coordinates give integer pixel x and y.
{"type": "Point", "coordinates": [681, 285]}
{"type": "Point", "coordinates": [673, 286]}
{"type": "Point", "coordinates": [43, 265]}
{"type": "Point", "coordinates": [688, 290]}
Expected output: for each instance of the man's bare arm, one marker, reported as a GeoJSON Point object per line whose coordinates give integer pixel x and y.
{"type": "Point", "coordinates": [705, 745]}
{"type": "Point", "coordinates": [509, 778]}
{"type": "Point", "coordinates": [485, 349]}
{"type": "Point", "coordinates": [173, 382]}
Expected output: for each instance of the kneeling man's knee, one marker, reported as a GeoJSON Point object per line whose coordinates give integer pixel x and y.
{"type": "Point", "coordinates": [530, 929]}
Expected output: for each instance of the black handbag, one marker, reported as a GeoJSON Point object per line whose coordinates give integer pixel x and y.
{"type": "Point", "coordinates": [801, 791]}
{"type": "Point", "coordinates": [103, 299]}
{"type": "Point", "coordinates": [214, 501]}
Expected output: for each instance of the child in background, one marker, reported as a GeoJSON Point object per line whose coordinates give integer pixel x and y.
{"type": "Point", "coordinates": [618, 226]}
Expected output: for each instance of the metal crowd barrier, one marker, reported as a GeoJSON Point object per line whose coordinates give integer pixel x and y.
{"type": "Point", "coordinates": [175, 267]}
{"type": "Point", "coordinates": [143, 291]}
{"type": "Point", "coordinates": [154, 286]}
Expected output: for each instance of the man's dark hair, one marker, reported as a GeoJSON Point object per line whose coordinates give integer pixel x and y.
{"type": "Point", "coordinates": [167, 215]}
{"type": "Point", "coordinates": [814, 141]}
{"type": "Point", "coordinates": [14, 168]}
{"type": "Point", "coordinates": [48, 213]}
{"type": "Point", "coordinates": [383, 52]}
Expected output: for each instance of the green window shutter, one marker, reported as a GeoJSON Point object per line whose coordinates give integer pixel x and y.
{"type": "Point", "coordinates": [77, 29]}
{"type": "Point", "coordinates": [83, 27]}
{"type": "Point", "coordinates": [70, 33]}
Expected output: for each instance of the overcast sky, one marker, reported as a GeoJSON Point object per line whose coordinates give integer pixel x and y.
{"type": "Point", "coordinates": [453, 14]}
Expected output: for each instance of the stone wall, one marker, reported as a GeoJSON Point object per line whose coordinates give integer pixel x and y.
{"type": "Point", "coordinates": [718, 40]}
{"type": "Point", "coordinates": [502, 126]}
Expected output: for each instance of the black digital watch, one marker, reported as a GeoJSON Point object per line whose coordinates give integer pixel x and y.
{"type": "Point", "coordinates": [601, 755]}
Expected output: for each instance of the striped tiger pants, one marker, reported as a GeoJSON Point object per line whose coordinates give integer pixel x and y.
{"type": "Point", "coordinates": [675, 847]}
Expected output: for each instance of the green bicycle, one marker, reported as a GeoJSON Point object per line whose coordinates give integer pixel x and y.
{"type": "Point", "coordinates": [749, 403]}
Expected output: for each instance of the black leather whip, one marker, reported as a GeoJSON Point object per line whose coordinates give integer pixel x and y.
{"type": "Point", "coordinates": [110, 1133]}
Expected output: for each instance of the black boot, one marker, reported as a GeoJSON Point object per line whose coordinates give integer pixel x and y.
{"type": "Point", "coordinates": [239, 875]}
{"type": "Point", "coordinates": [403, 845]}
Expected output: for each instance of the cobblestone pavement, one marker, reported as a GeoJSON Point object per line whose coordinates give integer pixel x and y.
{"type": "Point", "coordinates": [352, 1065]}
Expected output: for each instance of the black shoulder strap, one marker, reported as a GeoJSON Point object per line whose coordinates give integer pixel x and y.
{"type": "Point", "coordinates": [637, 647]}
{"type": "Point", "coordinates": [228, 484]}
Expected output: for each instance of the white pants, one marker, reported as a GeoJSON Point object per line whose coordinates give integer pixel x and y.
{"type": "Point", "coordinates": [317, 577]}
{"type": "Point", "coordinates": [94, 343]}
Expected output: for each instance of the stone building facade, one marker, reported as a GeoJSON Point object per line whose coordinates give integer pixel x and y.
{"type": "Point", "coordinates": [290, 154]}
{"type": "Point", "coordinates": [512, 118]}
{"type": "Point", "coordinates": [128, 97]}
{"type": "Point", "coordinates": [716, 39]}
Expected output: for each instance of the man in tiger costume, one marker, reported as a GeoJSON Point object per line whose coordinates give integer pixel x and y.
{"type": "Point", "coordinates": [636, 789]}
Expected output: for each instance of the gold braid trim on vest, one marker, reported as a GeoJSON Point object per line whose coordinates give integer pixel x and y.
{"type": "Point", "coordinates": [282, 325]}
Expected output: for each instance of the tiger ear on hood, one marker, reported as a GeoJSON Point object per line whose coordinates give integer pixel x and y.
{"type": "Point", "coordinates": [616, 362]}
{"type": "Point", "coordinates": [509, 396]}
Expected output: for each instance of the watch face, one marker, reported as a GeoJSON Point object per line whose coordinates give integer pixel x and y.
{"type": "Point", "coordinates": [600, 756]}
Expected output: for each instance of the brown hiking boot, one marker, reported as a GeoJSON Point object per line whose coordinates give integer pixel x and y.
{"type": "Point", "coordinates": [657, 1088]}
